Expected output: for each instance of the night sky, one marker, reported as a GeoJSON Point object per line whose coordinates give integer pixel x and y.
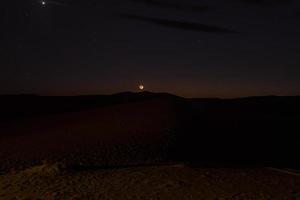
{"type": "Point", "coordinates": [208, 48]}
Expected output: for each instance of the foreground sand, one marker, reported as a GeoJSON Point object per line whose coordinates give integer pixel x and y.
{"type": "Point", "coordinates": [174, 181]}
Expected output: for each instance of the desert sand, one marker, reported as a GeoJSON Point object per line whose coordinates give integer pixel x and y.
{"type": "Point", "coordinates": [173, 181]}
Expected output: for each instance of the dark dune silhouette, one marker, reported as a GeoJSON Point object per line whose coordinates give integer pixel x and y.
{"type": "Point", "coordinates": [245, 131]}
{"type": "Point", "coordinates": [255, 130]}
{"type": "Point", "coordinates": [118, 129]}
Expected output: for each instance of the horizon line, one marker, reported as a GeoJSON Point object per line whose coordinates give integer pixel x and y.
{"type": "Point", "coordinates": [141, 92]}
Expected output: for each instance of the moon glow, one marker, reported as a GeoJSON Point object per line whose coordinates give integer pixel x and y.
{"type": "Point", "coordinates": [141, 87]}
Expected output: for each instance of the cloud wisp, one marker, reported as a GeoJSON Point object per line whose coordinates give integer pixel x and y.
{"type": "Point", "coordinates": [182, 25]}
{"type": "Point", "coordinates": [173, 5]}
{"type": "Point", "coordinates": [266, 2]}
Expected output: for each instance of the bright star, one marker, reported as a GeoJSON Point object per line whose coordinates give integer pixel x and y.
{"type": "Point", "coordinates": [43, 3]}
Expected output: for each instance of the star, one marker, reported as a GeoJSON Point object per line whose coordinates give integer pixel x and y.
{"type": "Point", "coordinates": [43, 3]}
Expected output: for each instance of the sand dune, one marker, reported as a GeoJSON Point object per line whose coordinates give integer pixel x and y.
{"type": "Point", "coordinates": [126, 130]}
